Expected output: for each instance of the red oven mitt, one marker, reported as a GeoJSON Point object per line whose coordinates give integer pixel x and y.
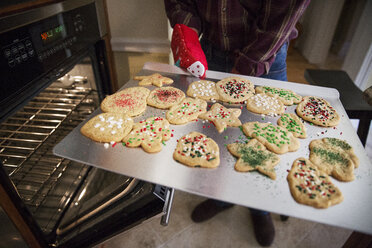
{"type": "Point", "coordinates": [187, 51]}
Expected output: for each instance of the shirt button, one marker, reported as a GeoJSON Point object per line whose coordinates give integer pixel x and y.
{"type": "Point", "coordinates": [223, 9]}
{"type": "Point", "coordinates": [224, 35]}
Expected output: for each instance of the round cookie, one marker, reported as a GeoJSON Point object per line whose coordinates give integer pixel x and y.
{"type": "Point", "coordinates": [311, 186]}
{"type": "Point", "coordinates": [165, 97]}
{"type": "Point", "coordinates": [107, 127]}
{"type": "Point", "coordinates": [130, 101]}
{"type": "Point", "coordinates": [203, 89]}
{"type": "Point", "coordinates": [318, 111]}
{"type": "Point", "coordinates": [234, 89]}
{"type": "Point", "coordinates": [197, 150]}
{"type": "Point", "coordinates": [187, 110]}
{"type": "Point", "coordinates": [265, 104]}
{"type": "Point", "coordinates": [288, 97]}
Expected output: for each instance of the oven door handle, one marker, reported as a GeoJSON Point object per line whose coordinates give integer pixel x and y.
{"type": "Point", "coordinates": [167, 207]}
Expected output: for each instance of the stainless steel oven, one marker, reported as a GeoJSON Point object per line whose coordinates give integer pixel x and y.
{"type": "Point", "coordinates": [54, 73]}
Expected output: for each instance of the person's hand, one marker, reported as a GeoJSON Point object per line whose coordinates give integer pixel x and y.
{"type": "Point", "coordinates": [187, 51]}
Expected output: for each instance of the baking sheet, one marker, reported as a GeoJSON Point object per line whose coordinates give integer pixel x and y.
{"type": "Point", "coordinates": [250, 189]}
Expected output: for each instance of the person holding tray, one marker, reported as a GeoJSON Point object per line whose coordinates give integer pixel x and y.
{"type": "Point", "coordinates": [242, 37]}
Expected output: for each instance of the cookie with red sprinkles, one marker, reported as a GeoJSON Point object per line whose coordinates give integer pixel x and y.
{"type": "Point", "coordinates": [107, 127]}
{"type": "Point", "coordinates": [187, 110]}
{"type": "Point", "coordinates": [197, 150]}
{"type": "Point", "coordinates": [149, 134]}
{"type": "Point", "coordinates": [288, 97]}
{"type": "Point", "coordinates": [203, 89]}
{"type": "Point", "coordinates": [165, 97]}
{"type": "Point", "coordinates": [130, 101]}
{"type": "Point", "coordinates": [254, 156]}
{"type": "Point", "coordinates": [277, 139]}
{"type": "Point", "coordinates": [318, 111]}
{"type": "Point", "coordinates": [234, 89]}
{"type": "Point", "coordinates": [153, 79]}
{"type": "Point", "coordinates": [311, 186]}
{"type": "Point", "coordinates": [222, 117]}
{"type": "Point", "coordinates": [335, 157]}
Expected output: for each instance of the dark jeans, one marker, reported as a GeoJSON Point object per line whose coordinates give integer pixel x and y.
{"type": "Point", "coordinates": [220, 61]}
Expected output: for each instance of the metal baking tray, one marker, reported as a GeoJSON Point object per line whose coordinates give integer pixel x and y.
{"type": "Point", "coordinates": [250, 189]}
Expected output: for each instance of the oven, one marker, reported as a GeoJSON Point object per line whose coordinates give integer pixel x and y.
{"type": "Point", "coordinates": [54, 74]}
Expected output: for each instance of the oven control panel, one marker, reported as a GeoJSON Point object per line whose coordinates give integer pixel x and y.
{"type": "Point", "coordinates": [30, 54]}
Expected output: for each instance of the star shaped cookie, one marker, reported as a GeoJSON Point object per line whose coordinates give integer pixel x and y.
{"type": "Point", "coordinates": [153, 79]}
{"type": "Point", "coordinates": [222, 117]}
{"type": "Point", "coordinates": [254, 156]}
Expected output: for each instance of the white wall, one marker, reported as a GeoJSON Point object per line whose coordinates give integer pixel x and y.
{"type": "Point", "coordinates": [358, 61]}
{"type": "Point", "coordinates": [138, 25]}
{"type": "Point", "coordinates": [319, 25]}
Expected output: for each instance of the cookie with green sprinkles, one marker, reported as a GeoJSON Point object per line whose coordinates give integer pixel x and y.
{"type": "Point", "coordinates": [234, 89]}
{"type": "Point", "coordinates": [288, 97]}
{"type": "Point", "coordinates": [187, 110]}
{"type": "Point", "coordinates": [197, 150]}
{"type": "Point", "coordinates": [335, 157]}
{"type": "Point", "coordinates": [153, 79]}
{"type": "Point", "coordinates": [311, 186]}
{"type": "Point", "coordinates": [276, 139]}
{"type": "Point", "coordinates": [254, 156]}
{"type": "Point", "coordinates": [222, 117]}
{"type": "Point", "coordinates": [318, 111]}
{"type": "Point", "coordinates": [293, 124]}
{"type": "Point", "coordinates": [149, 134]}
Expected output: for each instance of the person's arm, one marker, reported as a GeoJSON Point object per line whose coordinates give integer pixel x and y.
{"type": "Point", "coordinates": [183, 12]}
{"type": "Point", "coordinates": [269, 32]}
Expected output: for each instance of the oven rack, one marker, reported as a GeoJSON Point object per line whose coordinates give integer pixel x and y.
{"type": "Point", "coordinates": [45, 182]}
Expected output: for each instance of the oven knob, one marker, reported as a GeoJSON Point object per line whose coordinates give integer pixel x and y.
{"type": "Point", "coordinates": [24, 56]}
{"type": "Point", "coordinates": [18, 59]}
{"type": "Point", "coordinates": [11, 62]}
{"type": "Point", "coordinates": [28, 44]}
{"type": "Point", "coordinates": [14, 50]}
{"type": "Point", "coordinates": [31, 53]}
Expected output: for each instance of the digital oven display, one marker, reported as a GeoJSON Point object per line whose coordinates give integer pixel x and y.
{"type": "Point", "coordinates": [53, 34]}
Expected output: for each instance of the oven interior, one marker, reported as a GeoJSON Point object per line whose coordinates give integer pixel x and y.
{"type": "Point", "coordinates": [71, 202]}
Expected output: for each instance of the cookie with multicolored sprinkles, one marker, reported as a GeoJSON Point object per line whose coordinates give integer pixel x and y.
{"type": "Point", "coordinates": [293, 124]}
{"type": "Point", "coordinates": [311, 186]}
{"type": "Point", "coordinates": [107, 127]}
{"type": "Point", "coordinates": [130, 101]}
{"type": "Point", "coordinates": [254, 156]}
{"type": "Point", "coordinates": [234, 89]}
{"type": "Point", "coordinates": [288, 97]}
{"type": "Point", "coordinates": [335, 157]}
{"type": "Point", "coordinates": [165, 97]}
{"type": "Point", "coordinates": [153, 79]}
{"type": "Point", "coordinates": [222, 117]}
{"type": "Point", "coordinates": [276, 139]}
{"type": "Point", "coordinates": [318, 111]}
{"type": "Point", "coordinates": [203, 89]}
{"type": "Point", "coordinates": [187, 110]}
{"type": "Point", "coordinates": [265, 104]}
{"type": "Point", "coordinates": [149, 134]}
{"type": "Point", "coordinates": [197, 150]}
